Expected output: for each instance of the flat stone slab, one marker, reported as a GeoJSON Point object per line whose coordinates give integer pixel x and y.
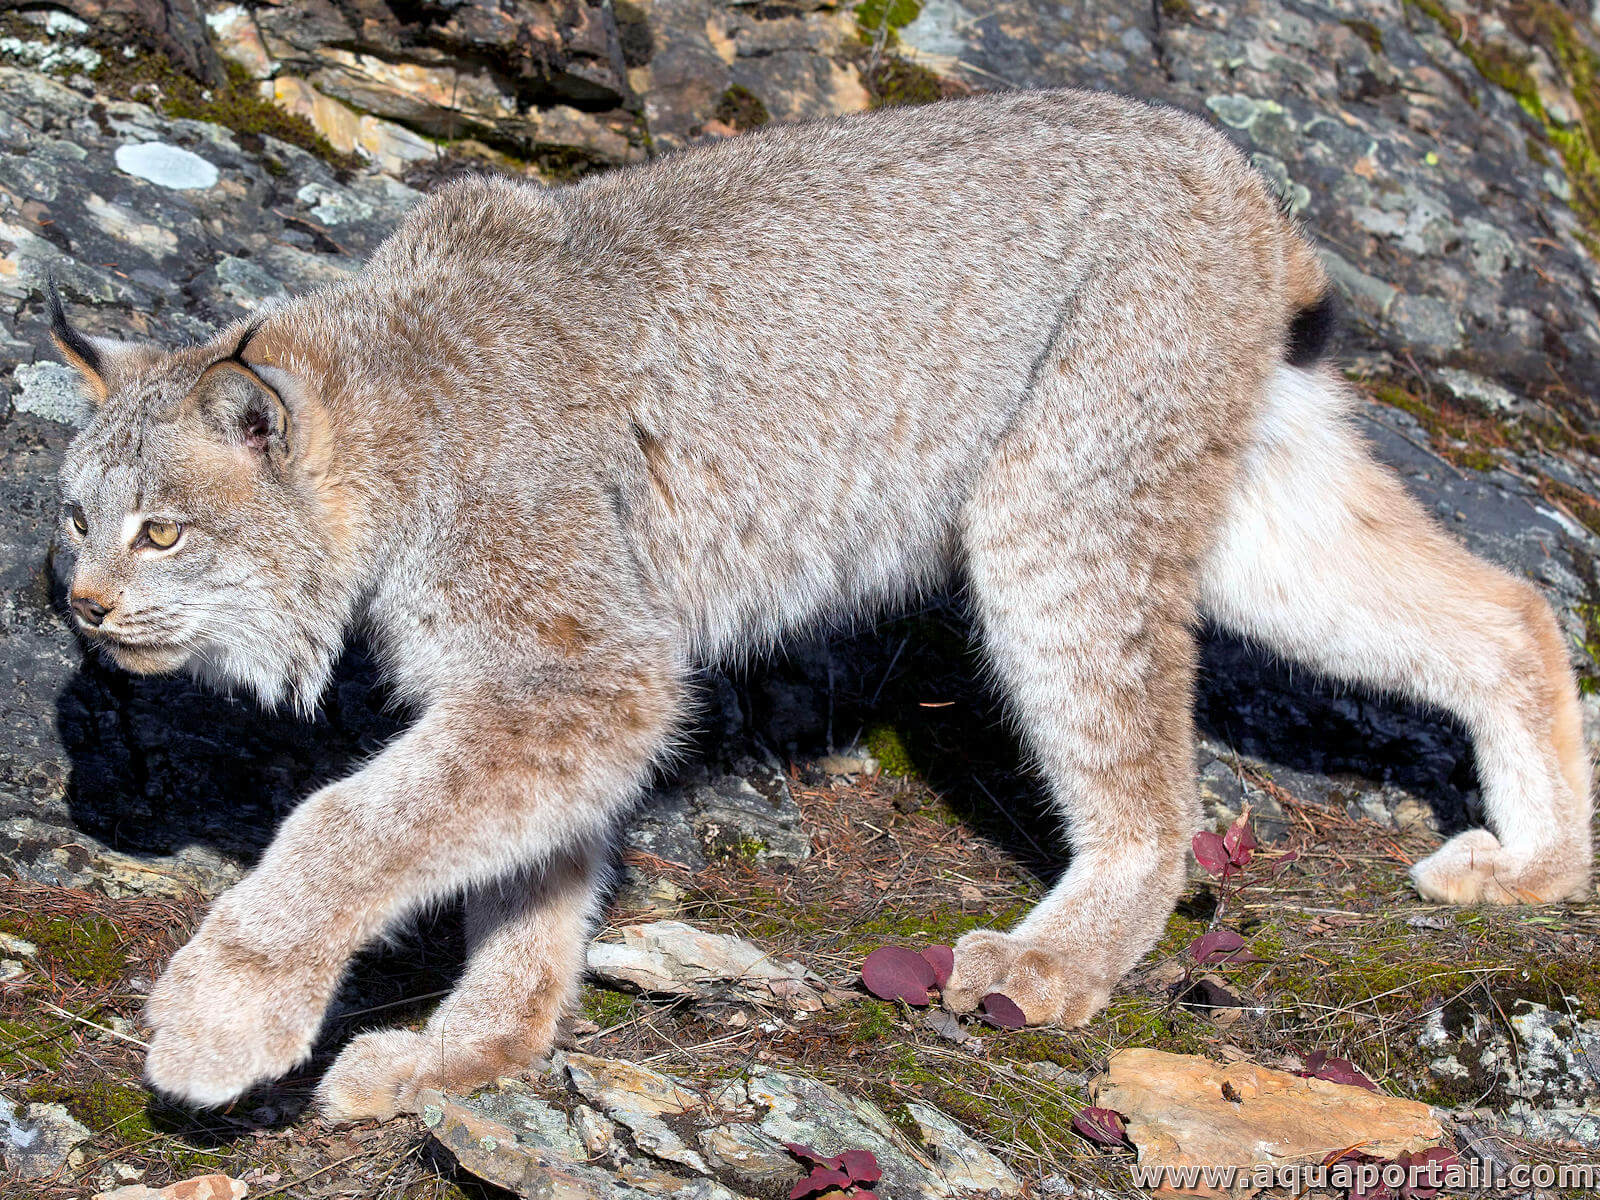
{"type": "Point", "coordinates": [673, 958]}
{"type": "Point", "coordinates": [723, 1141]}
{"type": "Point", "coordinates": [1182, 1110]}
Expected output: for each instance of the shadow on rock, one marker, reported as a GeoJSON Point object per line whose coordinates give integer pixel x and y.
{"type": "Point", "coordinates": [161, 764]}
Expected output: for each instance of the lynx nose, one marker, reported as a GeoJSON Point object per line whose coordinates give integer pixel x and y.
{"type": "Point", "coordinates": [90, 611]}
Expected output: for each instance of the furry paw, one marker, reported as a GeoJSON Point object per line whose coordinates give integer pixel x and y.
{"type": "Point", "coordinates": [380, 1074]}
{"type": "Point", "coordinates": [1041, 981]}
{"type": "Point", "coordinates": [225, 1018]}
{"type": "Point", "coordinates": [374, 1077]}
{"type": "Point", "coordinates": [1473, 867]}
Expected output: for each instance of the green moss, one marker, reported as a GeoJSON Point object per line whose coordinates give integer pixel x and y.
{"type": "Point", "coordinates": [100, 1106]}
{"type": "Point", "coordinates": [1367, 32]}
{"type": "Point", "coordinates": [25, 1047]}
{"type": "Point", "coordinates": [605, 1007]}
{"type": "Point", "coordinates": [875, 18]}
{"type": "Point", "coordinates": [1466, 439]}
{"type": "Point", "coordinates": [1177, 10]}
{"type": "Point", "coordinates": [886, 745]}
{"type": "Point", "coordinates": [1549, 25]}
{"type": "Point", "coordinates": [1005, 1106]}
{"type": "Point", "coordinates": [741, 108]}
{"type": "Point", "coordinates": [237, 105]}
{"type": "Point", "coordinates": [894, 82]}
{"type": "Point", "coordinates": [872, 1022]}
{"type": "Point", "coordinates": [86, 948]}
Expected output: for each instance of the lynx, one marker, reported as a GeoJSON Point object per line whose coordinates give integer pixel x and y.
{"type": "Point", "coordinates": [552, 449]}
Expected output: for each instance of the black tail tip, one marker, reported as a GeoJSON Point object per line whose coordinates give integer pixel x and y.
{"type": "Point", "coordinates": [1311, 331]}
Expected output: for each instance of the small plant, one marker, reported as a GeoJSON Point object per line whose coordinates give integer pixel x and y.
{"type": "Point", "coordinates": [1103, 1126]}
{"type": "Point", "coordinates": [900, 973]}
{"type": "Point", "coordinates": [835, 1176]}
{"type": "Point", "coordinates": [1425, 1173]}
{"type": "Point", "coordinates": [1335, 1070]}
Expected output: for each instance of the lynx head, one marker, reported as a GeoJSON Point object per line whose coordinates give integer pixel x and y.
{"type": "Point", "coordinates": [200, 518]}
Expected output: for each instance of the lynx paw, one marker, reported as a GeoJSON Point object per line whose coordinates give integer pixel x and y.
{"type": "Point", "coordinates": [1044, 985]}
{"type": "Point", "coordinates": [225, 1018]}
{"type": "Point", "coordinates": [1473, 867]}
{"type": "Point", "coordinates": [380, 1074]}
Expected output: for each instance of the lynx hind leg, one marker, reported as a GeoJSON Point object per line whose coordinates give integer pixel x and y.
{"type": "Point", "coordinates": [1082, 562]}
{"type": "Point", "coordinates": [526, 939]}
{"type": "Point", "coordinates": [1325, 558]}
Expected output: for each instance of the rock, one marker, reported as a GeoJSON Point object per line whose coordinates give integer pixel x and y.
{"type": "Point", "coordinates": [202, 1187]}
{"type": "Point", "coordinates": [848, 764]}
{"type": "Point", "coordinates": [749, 816]}
{"type": "Point", "coordinates": [682, 1138]}
{"type": "Point", "coordinates": [1555, 1058]}
{"type": "Point", "coordinates": [521, 1144]}
{"type": "Point", "coordinates": [1566, 1129]}
{"type": "Point", "coordinates": [966, 1165]}
{"type": "Point", "coordinates": [51, 390]}
{"type": "Point", "coordinates": [166, 166]}
{"type": "Point", "coordinates": [1177, 1113]}
{"type": "Point", "coordinates": [671, 958]}
{"type": "Point", "coordinates": [390, 146]}
{"type": "Point", "coordinates": [40, 1140]}
{"type": "Point", "coordinates": [238, 39]}
{"type": "Point", "coordinates": [116, 1174]}
{"type": "Point", "coordinates": [753, 1159]}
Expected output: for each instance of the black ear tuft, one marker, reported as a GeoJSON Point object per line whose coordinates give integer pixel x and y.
{"type": "Point", "coordinates": [1311, 331]}
{"type": "Point", "coordinates": [69, 339]}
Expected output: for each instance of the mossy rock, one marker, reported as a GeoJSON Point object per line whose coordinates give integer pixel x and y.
{"type": "Point", "coordinates": [86, 948]}
{"type": "Point", "coordinates": [741, 109]}
{"type": "Point", "coordinates": [153, 79]}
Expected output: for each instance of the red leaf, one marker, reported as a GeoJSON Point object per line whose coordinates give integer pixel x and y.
{"type": "Point", "coordinates": [806, 1154]}
{"type": "Point", "coordinates": [821, 1179]}
{"type": "Point", "coordinates": [1002, 1011]}
{"type": "Point", "coordinates": [895, 973]}
{"type": "Point", "coordinates": [1240, 842]}
{"type": "Point", "coordinates": [1221, 946]}
{"type": "Point", "coordinates": [1282, 862]}
{"type": "Point", "coordinates": [943, 960]}
{"type": "Point", "coordinates": [1211, 853]}
{"type": "Point", "coordinates": [1417, 1186]}
{"type": "Point", "coordinates": [1101, 1125]}
{"type": "Point", "coordinates": [861, 1166]}
{"type": "Point", "coordinates": [1336, 1070]}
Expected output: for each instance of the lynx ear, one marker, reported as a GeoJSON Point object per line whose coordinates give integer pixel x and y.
{"type": "Point", "coordinates": [242, 407]}
{"type": "Point", "coordinates": [100, 361]}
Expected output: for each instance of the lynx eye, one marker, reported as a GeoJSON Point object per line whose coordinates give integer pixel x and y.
{"type": "Point", "coordinates": [80, 522]}
{"type": "Point", "coordinates": [163, 535]}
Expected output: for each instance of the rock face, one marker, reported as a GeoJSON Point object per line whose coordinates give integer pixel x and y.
{"type": "Point", "coordinates": [640, 1133]}
{"type": "Point", "coordinates": [1184, 1111]}
{"type": "Point", "coordinates": [1546, 1057]}
{"type": "Point", "coordinates": [39, 1140]}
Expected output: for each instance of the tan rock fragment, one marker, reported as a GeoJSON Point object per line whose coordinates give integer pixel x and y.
{"type": "Point", "coordinates": [202, 1187]}
{"type": "Point", "coordinates": [392, 147]}
{"type": "Point", "coordinates": [1178, 1116]}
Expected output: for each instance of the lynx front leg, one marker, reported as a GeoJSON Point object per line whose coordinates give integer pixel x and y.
{"type": "Point", "coordinates": [483, 784]}
{"type": "Point", "coordinates": [526, 937]}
